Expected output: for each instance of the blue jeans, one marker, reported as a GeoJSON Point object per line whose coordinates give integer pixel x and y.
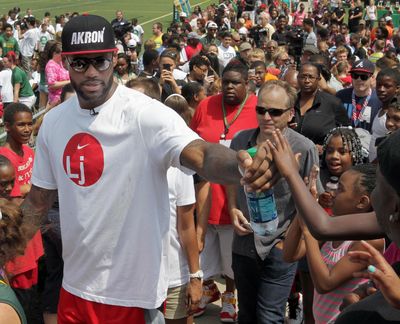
{"type": "Point", "coordinates": [263, 287]}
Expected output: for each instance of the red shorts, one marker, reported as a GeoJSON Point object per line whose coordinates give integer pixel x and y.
{"type": "Point", "coordinates": [75, 310]}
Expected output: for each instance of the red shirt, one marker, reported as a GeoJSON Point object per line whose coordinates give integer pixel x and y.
{"type": "Point", "coordinates": [193, 51]}
{"type": "Point", "coordinates": [208, 123]}
{"type": "Point", "coordinates": [24, 268]}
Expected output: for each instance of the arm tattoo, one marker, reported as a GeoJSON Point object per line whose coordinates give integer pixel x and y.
{"type": "Point", "coordinates": [36, 206]}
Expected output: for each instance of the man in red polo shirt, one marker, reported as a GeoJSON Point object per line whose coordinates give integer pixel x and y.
{"type": "Point", "coordinates": [217, 119]}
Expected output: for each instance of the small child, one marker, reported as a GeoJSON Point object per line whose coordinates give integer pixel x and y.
{"type": "Point", "coordinates": [341, 150]}
{"type": "Point", "coordinates": [330, 266]}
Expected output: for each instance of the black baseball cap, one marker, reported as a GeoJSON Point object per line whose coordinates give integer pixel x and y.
{"type": "Point", "coordinates": [365, 66]}
{"type": "Point", "coordinates": [87, 34]}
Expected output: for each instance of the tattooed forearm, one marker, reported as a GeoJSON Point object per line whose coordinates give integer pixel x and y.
{"type": "Point", "coordinates": [35, 208]}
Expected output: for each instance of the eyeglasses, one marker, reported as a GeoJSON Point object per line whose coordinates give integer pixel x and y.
{"type": "Point", "coordinates": [363, 77]}
{"type": "Point", "coordinates": [309, 77]}
{"type": "Point", "coordinates": [81, 64]}
{"type": "Point", "coordinates": [273, 112]}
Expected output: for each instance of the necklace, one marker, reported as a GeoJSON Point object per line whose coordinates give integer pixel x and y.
{"type": "Point", "coordinates": [229, 124]}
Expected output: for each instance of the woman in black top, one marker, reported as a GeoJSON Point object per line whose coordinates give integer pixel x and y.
{"type": "Point", "coordinates": [316, 112]}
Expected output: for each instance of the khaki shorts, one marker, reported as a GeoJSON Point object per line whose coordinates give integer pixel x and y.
{"type": "Point", "coordinates": [175, 304]}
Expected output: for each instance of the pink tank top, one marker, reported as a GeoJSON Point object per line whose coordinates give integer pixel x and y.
{"type": "Point", "coordinates": [326, 306]}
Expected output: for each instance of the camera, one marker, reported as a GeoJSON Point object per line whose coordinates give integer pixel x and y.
{"type": "Point", "coordinates": [120, 29]}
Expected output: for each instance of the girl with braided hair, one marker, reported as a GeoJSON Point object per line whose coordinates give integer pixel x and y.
{"type": "Point", "coordinates": [330, 266]}
{"type": "Point", "coordinates": [342, 149]}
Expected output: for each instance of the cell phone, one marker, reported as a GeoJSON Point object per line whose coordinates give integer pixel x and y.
{"type": "Point", "coordinates": [167, 67]}
{"type": "Point", "coordinates": [210, 72]}
{"type": "Point", "coordinates": [252, 72]}
{"type": "Point", "coordinates": [248, 227]}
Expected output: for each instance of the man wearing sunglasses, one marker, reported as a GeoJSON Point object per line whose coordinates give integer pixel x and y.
{"type": "Point", "coordinates": [263, 279]}
{"type": "Point", "coordinates": [106, 151]}
{"type": "Point", "coordinates": [360, 100]}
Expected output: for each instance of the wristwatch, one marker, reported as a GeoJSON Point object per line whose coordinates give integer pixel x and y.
{"type": "Point", "coordinates": [197, 275]}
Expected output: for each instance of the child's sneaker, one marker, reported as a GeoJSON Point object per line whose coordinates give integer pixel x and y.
{"type": "Point", "coordinates": [210, 295]}
{"type": "Point", "coordinates": [228, 312]}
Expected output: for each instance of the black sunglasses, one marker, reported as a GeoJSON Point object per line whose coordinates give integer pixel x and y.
{"type": "Point", "coordinates": [81, 64]}
{"type": "Point", "coordinates": [363, 77]}
{"type": "Point", "coordinates": [273, 112]}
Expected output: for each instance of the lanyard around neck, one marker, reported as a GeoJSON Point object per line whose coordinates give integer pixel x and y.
{"type": "Point", "coordinates": [229, 124]}
{"type": "Point", "coordinates": [357, 113]}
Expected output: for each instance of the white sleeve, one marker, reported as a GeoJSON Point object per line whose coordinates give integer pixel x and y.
{"type": "Point", "coordinates": [184, 189]}
{"type": "Point", "coordinates": [166, 135]}
{"type": "Point", "coordinates": [43, 175]}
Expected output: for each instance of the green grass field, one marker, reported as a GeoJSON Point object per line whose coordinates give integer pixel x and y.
{"type": "Point", "coordinates": [147, 11]}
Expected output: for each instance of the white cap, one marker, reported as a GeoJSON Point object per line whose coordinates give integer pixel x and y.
{"type": "Point", "coordinates": [183, 14]}
{"type": "Point", "coordinates": [211, 24]}
{"type": "Point", "coordinates": [131, 43]}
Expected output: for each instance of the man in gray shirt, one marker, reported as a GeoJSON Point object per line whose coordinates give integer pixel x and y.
{"type": "Point", "coordinates": [262, 278]}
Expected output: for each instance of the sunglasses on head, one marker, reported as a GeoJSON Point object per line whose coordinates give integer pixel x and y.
{"type": "Point", "coordinates": [363, 77]}
{"type": "Point", "coordinates": [81, 64]}
{"type": "Point", "coordinates": [273, 112]}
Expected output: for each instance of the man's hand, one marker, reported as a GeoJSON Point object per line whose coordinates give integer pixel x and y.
{"type": "Point", "coordinates": [194, 292]}
{"type": "Point", "coordinates": [259, 173]}
{"type": "Point", "coordinates": [238, 220]}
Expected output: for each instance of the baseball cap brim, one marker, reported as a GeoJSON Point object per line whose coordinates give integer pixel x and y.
{"type": "Point", "coordinates": [91, 51]}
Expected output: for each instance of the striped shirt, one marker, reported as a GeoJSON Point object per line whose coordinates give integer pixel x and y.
{"type": "Point", "coordinates": [326, 306]}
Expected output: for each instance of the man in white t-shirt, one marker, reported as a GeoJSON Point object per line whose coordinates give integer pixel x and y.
{"type": "Point", "coordinates": [225, 51]}
{"type": "Point", "coordinates": [107, 151]}
{"type": "Point", "coordinates": [6, 87]}
{"type": "Point", "coordinates": [27, 45]}
{"type": "Point", "coordinates": [139, 32]}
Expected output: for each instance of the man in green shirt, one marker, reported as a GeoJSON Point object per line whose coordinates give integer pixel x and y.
{"type": "Point", "coordinates": [22, 90]}
{"type": "Point", "coordinates": [8, 42]}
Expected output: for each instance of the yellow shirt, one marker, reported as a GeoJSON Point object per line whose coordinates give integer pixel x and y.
{"type": "Point", "coordinates": [157, 40]}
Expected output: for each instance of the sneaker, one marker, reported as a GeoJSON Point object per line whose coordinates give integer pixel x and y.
{"type": "Point", "coordinates": [228, 312]}
{"type": "Point", "coordinates": [210, 295]}
{"type": "Point", "coordinates": [294, 310]}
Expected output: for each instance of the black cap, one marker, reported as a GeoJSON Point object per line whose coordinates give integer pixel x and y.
{"type": "Point", "coordinates": [87, 34]}
{"type": "Point", "coordinates": [365, 66]}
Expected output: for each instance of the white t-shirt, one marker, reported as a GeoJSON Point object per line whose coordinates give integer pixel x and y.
{"type": "Point", "coordinates": [6, 93]}
{"type": "Point", "coordinates": [181, 193]}
{"type": "Point", "coordinates": [378, 130]}
{"type": "Point", "coordinates": [28, 43]}
{"type": "Point", "coordinates": [225, 55]}
{"type": "Point", "coordinates": [110, 171]}
{"type": "Point", "coordinates": [138, 31]}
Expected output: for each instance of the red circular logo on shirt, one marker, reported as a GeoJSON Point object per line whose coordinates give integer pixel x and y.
{"type": "Point", "coordinates": [83, 159]}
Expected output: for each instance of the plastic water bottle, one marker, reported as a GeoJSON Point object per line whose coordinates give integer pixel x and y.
{"type": "Point", "coordinates": [262, 209]}
{"type": "Point", "coordinates": [331, 187]}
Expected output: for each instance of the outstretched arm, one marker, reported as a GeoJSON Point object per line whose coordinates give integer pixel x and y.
{"type": "Point", "coordinates": [321, 226]}
{"type": "Point", "coordinates": [219, 164]}
{"type": "Point", "coordinates": [35, 208]}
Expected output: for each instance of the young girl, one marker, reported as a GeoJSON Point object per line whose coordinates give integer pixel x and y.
{"type": "Point", "coordinates": [387, 87]}
{"type": "Point", "coordinates": [341, 150]}
{"type": "Point", "coordinates": [12, 243]}
{"type": "Point", "coordinates": [330, 266]}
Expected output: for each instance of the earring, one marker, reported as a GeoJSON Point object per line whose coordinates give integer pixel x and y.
{"type": "Point", "coordinates": [394, 218]}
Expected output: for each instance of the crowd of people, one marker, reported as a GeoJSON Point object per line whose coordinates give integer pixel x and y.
{"type": "Point", "coordinates": [138, 188]}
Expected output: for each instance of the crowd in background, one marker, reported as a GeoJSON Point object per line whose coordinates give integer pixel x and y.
{"type": "Point", "coordinates": [326, 74]}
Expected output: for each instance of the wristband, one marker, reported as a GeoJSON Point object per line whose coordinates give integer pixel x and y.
{"type": "Point", "coordinates": [197, 275]}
